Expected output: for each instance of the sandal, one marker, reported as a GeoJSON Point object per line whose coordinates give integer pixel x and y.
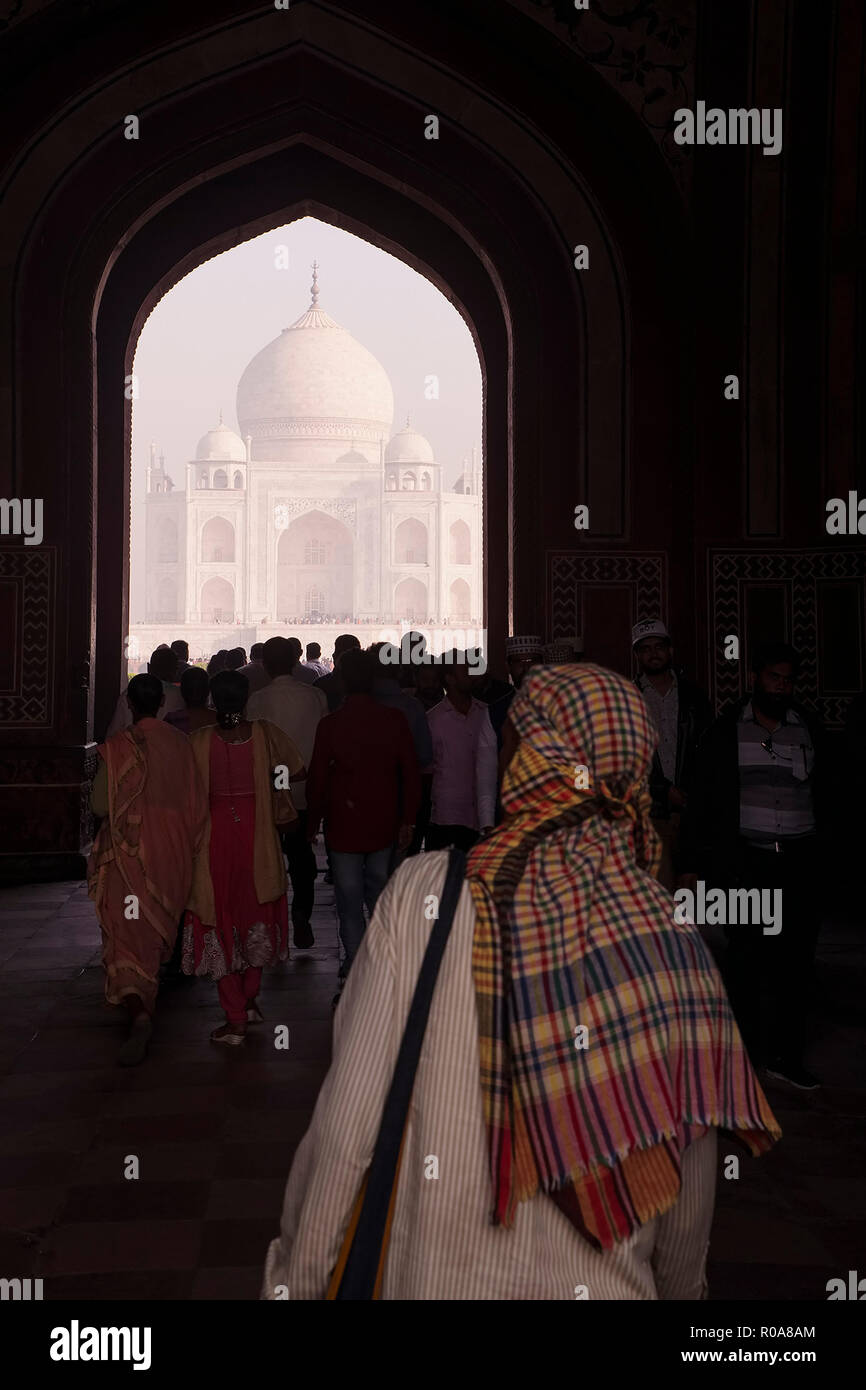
{"type": "Point", "coordinates": [226, 1036]}
{"type": "Point", "coordinates": [254, 1013]}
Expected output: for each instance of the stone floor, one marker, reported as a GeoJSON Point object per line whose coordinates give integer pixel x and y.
{"type": "Point", "coordinates": [214, 1130]}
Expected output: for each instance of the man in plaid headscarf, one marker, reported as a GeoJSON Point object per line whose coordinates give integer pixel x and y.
{"type": "Point", "coordinates": [579, 1057]}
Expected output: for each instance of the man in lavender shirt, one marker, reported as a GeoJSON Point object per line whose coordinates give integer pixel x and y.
{"type": "Point", "coordinates": [464, 761]}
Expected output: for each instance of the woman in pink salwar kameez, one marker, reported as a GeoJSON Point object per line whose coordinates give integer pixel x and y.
{"type": "Point", "coordinates": [237, 921]}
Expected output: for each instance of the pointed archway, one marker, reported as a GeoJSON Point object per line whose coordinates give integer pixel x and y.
{"type": "Point", "coordinates": [322, 110]}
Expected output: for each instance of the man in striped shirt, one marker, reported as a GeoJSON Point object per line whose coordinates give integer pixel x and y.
{"type": "Point", "coordinates": [753, 822]}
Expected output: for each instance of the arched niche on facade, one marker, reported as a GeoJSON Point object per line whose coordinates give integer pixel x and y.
{"type": "Point", "coordinates": [315, 551]}
{"type": "Point", "coordinates": [459, 543]}
{"type": "Point", "coordinates": [166, 540]}
{"type": "Point", "coordinates": [166, 601]}
{"type": "Point", "coordinates": [217, 601]}
{"type": "Point", "coordinates": [410, 600]}
{"type": "Point", "coordinates": [459, 601]}
{"type": "Point", "coordinates": [410, 542]}
{"type": "Point", "coordinates": [217, 541]}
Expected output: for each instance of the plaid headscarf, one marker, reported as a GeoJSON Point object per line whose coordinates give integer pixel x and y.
{"type": "Point", "coordinates": [574, 933]}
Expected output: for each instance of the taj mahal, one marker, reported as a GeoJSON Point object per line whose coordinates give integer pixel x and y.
{"type": "Point", "coordinates": [316, 513]}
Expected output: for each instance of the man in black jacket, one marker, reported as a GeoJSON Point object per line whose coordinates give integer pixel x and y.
{"type": "Point", "coordinates": [681, 713]}
{"type": "Point", "coordinates": [753, 822]}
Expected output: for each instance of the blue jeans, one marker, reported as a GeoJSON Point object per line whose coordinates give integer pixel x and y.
{"type": "Point", "coordinates": [358, 879]}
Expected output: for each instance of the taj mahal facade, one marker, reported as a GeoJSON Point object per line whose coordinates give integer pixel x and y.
{"type": "Point", "coordinates": [316, 515]}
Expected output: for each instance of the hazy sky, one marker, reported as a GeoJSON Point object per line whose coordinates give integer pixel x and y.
{"type": "Point", "coordinates": [200, 337]}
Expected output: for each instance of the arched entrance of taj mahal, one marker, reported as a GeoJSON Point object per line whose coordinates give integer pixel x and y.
{"type": "Point", "coordinates": [315, 569]}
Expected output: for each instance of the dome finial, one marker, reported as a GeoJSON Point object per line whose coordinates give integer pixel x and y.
{"type": "Point", "coordinates": [314, 288]}
{"type": "Point", "coordinates": [221, 414]}
{"type": "Point", "coordinates": [407, 420]}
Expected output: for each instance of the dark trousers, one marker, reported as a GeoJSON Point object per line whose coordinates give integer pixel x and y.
{"type": "Point", "coordinates": [422, 820]}
{"type": "Point", "coordinates": [302, 868]}
{"type": "Point", "coordinates": [769, 978]}
{"type": "Point", "coordinates": [444, 836]}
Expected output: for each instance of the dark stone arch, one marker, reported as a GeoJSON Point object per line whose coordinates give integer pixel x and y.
{"type": "Point", "coordinates": [490, 224]}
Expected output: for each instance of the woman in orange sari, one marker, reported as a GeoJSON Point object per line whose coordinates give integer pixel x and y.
{"type": "Point", "coordinates": [140, 870]}
{"type": "Point", "coordinates": [237, 921]}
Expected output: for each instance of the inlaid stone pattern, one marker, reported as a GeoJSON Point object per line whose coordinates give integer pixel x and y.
{"type": "Point", "coordinates": [801, 572]}
{"type": "Point", "coordinates": [287, 508]}
{"type": "Point", "coordinates": [28, 572]}
{"type": "Point", "coordinates": [569, 572]}
{"type": "Point", "coordinates": [645, 49]}
{"type": "Point", "coordinates": [315, 429]}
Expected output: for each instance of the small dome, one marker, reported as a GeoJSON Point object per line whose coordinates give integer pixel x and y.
{"type": "Point", "coordinates": [356, 458]}
{"type": "Point", "coordinates": [221, 444]}
{"type": "Point", "coordinates": [408, 446]}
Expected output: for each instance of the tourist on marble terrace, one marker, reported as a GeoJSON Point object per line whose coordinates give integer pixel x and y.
{"type": "Point", "coordinates": [141, 866]}
{"type": "Point", "coordinates": [194, 689]}
{"type": "Point", "coordinates": [296, 709]}
{"type": "Point", "coordinates": [364, 784]}
{"type": "Point", "coordinates": [331, 685]}
{"type": "Point", "coordinates": [256, 675]}
{"type": "Point", "coordinates": [755, 818]}
{"type": "Point", "coordinates": [237, 918]}
{"type": "Point", "coordinates": [537, 1197]}
{"type": "Point", "coordinates": [464, 762]}
{"type": "Point", "coordinates": [163, 665]}
{"type": "Point", "coordinates": [682, 714]}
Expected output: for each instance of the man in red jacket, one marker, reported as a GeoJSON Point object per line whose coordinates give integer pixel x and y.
{"type": "Point", "coordinates": [365, 783]}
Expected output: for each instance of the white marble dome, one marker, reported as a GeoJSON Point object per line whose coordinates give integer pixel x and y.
{"type": "Point", "coordinates": [314, 379]}
{"type": "Point", "coordinates": [221, 444]}
{"type": "Point", "coordinates": [408, 446]}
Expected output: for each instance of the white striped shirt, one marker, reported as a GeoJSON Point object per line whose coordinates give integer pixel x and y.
{"type": "Point", "coordinates": [443, 1245]}
{"type": "Point", "coordinates": [775, 772]}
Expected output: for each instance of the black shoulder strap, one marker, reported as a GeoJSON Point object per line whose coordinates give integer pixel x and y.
{"type": "Point", "coordinates": [359, 1276]}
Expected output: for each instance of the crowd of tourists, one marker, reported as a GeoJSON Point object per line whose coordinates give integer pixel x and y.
{"type": "Point", "coordinates": [579, 1049]}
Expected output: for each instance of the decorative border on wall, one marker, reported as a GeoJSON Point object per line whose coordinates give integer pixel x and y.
{"type": "Point", "coordinates": [285, 509]}
{"type": "Point", "coordinates": [568, 571]}
{"type": "Point", "coordinates": [312, 427]}
{"type": "Point", "coordinates": [31, 570]}
{"type": "Point", "coordinates": [799, 571]}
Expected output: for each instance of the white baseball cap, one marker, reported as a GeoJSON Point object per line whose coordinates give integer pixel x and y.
{"type": "Point", "coordinates": [651, 627]}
